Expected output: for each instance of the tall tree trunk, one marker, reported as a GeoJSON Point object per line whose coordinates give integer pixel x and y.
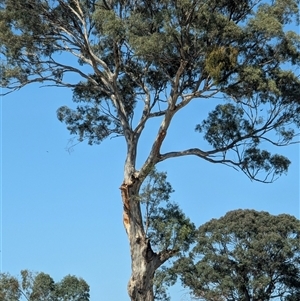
{"type": "Point", "coordinates": [144, 261]}
{"type": "Point", "coordinates": [140, 286]}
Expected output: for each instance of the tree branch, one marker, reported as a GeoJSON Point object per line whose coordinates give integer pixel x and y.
{"type": "Point", "coordinates": [163, 256]}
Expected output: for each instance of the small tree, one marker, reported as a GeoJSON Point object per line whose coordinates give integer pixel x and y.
{"type": "Point", "coordinates": [144, 60]}
{"type": "Point", "coordinates": [245, 255]}
{"type": "Point", "coordinates": [41, 287]}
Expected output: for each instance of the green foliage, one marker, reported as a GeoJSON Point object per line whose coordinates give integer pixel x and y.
{"type": "Point", "coordinates": [220, 61]}
{"type": "Point", "coordinates": [245, 254]}
{"type": "Point", "coordinates": [225, 128]}
{"type": "Point", "coordinates": [224, 125]}
{"type": "Point", "coordinates": [41, 287]}
{"type": "Point", "coordinates": [9, 288]}
{"type": "Point", "coordinates": [87, 122]}
{"type": "Point", "coordinates": [165, 224]}
{"type": "Point", "coordinates": [72, 288]}
{"type": "Point", "coordinates": [155, 53]}
{"type": "Point", "coordinates": [163, 279]}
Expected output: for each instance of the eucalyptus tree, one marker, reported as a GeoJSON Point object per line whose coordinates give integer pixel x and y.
{"type": "Point", "coordinates": [137, 61]}
{"type": "Point", "coordinates": [244, 255]}
{"type": "Point", "coordinates": [41, 287]}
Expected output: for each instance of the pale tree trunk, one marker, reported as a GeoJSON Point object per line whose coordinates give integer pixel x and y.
{"type": "Point", "coordinates": [144, 262]}
{"type": "Point", "coordinates": [140, 286]}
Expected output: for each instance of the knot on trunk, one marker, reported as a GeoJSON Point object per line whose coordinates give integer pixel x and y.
{"type": "Point", "coordinates": [148, 253]}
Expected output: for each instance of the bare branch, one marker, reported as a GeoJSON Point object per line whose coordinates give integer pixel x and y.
{"type": "Point", "coordinates": [195, 152]}
{"type": "Point", "coordinates": [163, 256]}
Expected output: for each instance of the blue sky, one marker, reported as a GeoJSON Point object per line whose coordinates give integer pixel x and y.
{"type": "Point", "coordinates": [62, 212]}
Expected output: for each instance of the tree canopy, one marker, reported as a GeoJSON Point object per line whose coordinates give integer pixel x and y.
{"type": "Point", "coordinates": [41, 287]}
{"type": "Point", "coordinates": [131, 62]}
{"type": "Point", "coordinates": [163, 55]}
{"type": "Point", "coordinates": [244, 255]}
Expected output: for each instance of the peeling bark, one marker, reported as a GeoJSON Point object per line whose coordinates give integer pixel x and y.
{"type": "Point", "coordinates": [126, 207]}
{"type": "Point", "coordinates": [140, 283]}
{"type": "Point", "coordinates": [144, 262]}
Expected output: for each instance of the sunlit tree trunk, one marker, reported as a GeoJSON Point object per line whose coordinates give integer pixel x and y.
{"type": "Point", "coordinates": [143, 259]}
{"type": "Point", "coordinates": [144, 262]}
